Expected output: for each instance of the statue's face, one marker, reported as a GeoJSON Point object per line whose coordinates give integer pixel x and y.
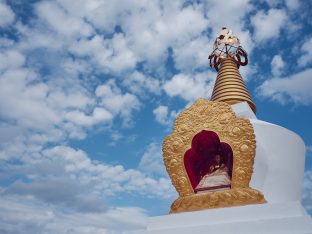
{"type": "Point", "coordinates": [218, 158]}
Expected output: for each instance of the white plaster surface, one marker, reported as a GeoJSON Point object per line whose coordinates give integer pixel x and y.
{"type": "Point", "coordinates": [266, 218]}
{"type": "Point", "coordinates": [242, 109]}
{"type": "Point", "coordinates": [279, 162]}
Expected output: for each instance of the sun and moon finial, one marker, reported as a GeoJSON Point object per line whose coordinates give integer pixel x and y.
{"type": "Point", "coordinates": [227, 45]}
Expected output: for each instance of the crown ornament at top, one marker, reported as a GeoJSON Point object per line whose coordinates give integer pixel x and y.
{"type": "Point", "coordinates": [227, 45]}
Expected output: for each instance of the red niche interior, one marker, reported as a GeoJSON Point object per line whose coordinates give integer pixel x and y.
{"type": "Point", "coordinates": [199, 158]}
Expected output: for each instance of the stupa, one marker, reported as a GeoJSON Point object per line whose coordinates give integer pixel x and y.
{"type": "Point", "coordinates": [233, 172]}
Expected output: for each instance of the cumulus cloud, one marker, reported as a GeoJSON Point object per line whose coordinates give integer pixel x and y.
{"type": "Point", "coordinates": [61, 22]}
{"type": "Point", "coordinates": [163, 115]}
{"type": "Point", "coordinates": [164, 26]}
{"type": "Point", "coordinates": [192, 55]}
{"type": "Point", "coordinates": [98, 115]}
{"type": "Point", "coordinates": [21, 99]}
{"type": "Point", "coordinates": [307, 192]}
{"type": "Point", "coordinates": [114, 100]}
{"type": "Point", "coordinates": [109, 55]}
{"type": "Point", "coordinates": [40, 106]}
{"type": "Point", "coordinates": [152, 160]}
{"type": "Point", "coordinates": [277, 65]}
{"type": "Point", "coordinates": [263, 26]}
{"type": "Point", "coordinates": [27, 215]}
{"type": "Point", "coordinates": [11, 59]}
{"type": "Point", "coordinates": [306, 50]}
{"type": "Point", "coordinates": [7, 15]}
{"type": "Point", "coordinates": [60, 191]}
{"type": "Point", "coordinates": [65, 177]}
{"type": "Point", "coordinates": [189, 86]}
{"type": "Point", "coordinates": [109, 179]}
{"type": "Point", "coordinates": [162, 29]}
{"type": "Point", "coordinates": [295, 88]}
{"type": "Point", "coordinates": [141, 84]}
{"type": "Point", "coordinates": [292, 4]}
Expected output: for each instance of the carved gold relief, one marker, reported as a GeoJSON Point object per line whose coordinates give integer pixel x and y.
{"type": "Point", "coordinates": [237, 132]}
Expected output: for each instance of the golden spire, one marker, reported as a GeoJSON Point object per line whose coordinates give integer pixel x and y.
{"type": "Point", "coordinates": [226, 58]}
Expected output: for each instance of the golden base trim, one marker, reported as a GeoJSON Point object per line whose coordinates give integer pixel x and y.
{"type": "Point", "coordinates": [228, 198]}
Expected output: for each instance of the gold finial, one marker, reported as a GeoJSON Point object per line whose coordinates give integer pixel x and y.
{"type": "Point", "coordinates": [227, 56]}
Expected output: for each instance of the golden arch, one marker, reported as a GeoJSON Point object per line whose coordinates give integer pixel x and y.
{"type": "Point", "coordinates": [237, 132]}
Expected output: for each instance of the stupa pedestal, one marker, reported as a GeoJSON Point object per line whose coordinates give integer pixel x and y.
{"type": "Point", "coordinates": [278, 218]}
{"type": "Point", "coordinates": [278, 174]}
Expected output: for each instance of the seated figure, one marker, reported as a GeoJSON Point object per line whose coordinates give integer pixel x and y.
{"type": "Point", "coordinates": [209, 163]}
{"type": "Point", "coordinates": [217, 177]}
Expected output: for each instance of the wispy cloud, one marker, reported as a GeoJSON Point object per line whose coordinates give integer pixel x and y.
{"type": "Point", "coordinates": [295, 88]}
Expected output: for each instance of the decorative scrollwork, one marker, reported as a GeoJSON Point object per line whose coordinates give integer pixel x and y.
{"type": "Point", "coordinates": [237, 132]}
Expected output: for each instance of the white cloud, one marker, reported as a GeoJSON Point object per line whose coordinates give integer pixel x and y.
{"type": "Point", "coordinates": [139, 83]}
{"type": "Point", "coordinates": [107, 179]}
{"type": "Point", "coordinates": [117, 102]}
{"type": "Point", "coordinates": [59, 190]}
{"type": "Point", "coordinates": [162, 28]}
{"type": "Point", "coordinates": [273, 3]}
{"type": "Point", "coordinates": [295, 88]}
{"type": "Point", "coordinates": [307, 190]}
{"type": "Point", "coordinates": [110, 55]}
{"type": "Point", "coordinates": [277, 65]}
{"type": "Point", "coordinates": [7, 15]}
{"type": "Point", "coordinates": [75, 99]}
{"type": "Point", "coordinates": [27, 215]}
{"type": "Point", "coordinates": [292, 4]}
{"type": "Point", "coordinates": [40, 106]}
{"type": "Point", "coordinates": [247, 72]}
{"type": "Point", "coordinates": [61, 22]}
{"type": "Point", "coordinates": [102, 15]}
{"type": "Point", "coordinates": [306, 50]}
{"type": "Point", "coordinates": [264, 28]}
{"type": "Point", "coordinates": [216, 8]}
{"type": "Point", "coordinates": [11, 59]}
{"type": "Point", "coordinates": [20, 99]}
{"type": "Point", "coordinates": [80, 118]}
{"type": "Point", "coordinates": [193, 54]}
{"type": "Point", "coordinates": [152, 161]}
{"type": "Point", "coordinates": [190, 86]}
{"type": "Point", "coordinates": [163, 115]}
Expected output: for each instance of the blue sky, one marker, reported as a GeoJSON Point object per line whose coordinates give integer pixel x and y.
{"type": "Point", "coordinates": [89, 89]}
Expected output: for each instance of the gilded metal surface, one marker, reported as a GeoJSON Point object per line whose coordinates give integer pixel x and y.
{"type": "Point", "coordinates": [229, 86]}
{"type": "Point", "coordinates": [237, 132]}
{"type": "Point", "coordinates": [233, 197]}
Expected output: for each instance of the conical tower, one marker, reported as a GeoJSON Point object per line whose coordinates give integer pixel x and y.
{"type": "Point", "coordinates": [226, 58]}
{"type": "Point", "coordinates": [229, 86]}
